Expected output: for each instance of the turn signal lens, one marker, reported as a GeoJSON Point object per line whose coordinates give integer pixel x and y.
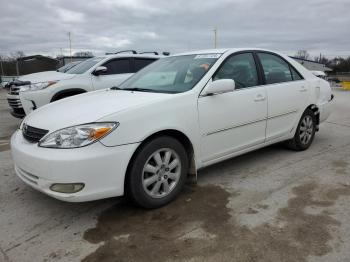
{"type": "Point", "coordinates": [98, 133]}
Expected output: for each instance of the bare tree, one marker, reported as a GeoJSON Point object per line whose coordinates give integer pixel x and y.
{"type": "Point", "coordinates": [303, 54]}
{"type": "Point", "coordinates": [16, 55]}
{"type": "Point", "coordinates": [4, 57]}
{"type": "Point", "coordinates": [322, 59]}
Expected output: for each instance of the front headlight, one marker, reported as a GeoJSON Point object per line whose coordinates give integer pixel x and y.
{"type": "Point", "coordinates": [37, 86]}
{"type": "Point", "coordinates": [77, 136]}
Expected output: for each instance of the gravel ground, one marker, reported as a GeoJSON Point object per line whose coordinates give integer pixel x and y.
{"type": "Point", "coordinates": [269, 205]}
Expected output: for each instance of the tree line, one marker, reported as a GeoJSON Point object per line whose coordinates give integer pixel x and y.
{"type": "Point", "coordinates": [337, 64]}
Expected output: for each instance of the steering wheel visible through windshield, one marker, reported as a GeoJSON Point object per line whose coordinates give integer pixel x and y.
{"type": "Point", "coordinates": [174, 74]}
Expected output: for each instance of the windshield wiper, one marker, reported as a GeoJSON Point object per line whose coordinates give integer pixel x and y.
{"type": "Point", "coordinates": [115, 88]}
{"type": "Point", "coordinates": [139, 89]}
{"type": "Point", "coordinates": [131, 89]}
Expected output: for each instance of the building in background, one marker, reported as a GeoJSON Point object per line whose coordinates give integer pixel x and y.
{"type": "Point", "coordinates": [27, 65]}
{"type": "Point", "coordinates": [35, 63]}
{"type": "Point", "coordinates": [63, 60]}
{"type": "Point", "coordinates": [11, 69]}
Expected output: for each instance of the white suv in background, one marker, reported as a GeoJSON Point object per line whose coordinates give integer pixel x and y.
{"type": "Point", "coordinates": [93, 74]}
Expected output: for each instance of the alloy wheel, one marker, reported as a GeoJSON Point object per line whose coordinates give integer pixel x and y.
{"type": "Point", "coordinates": [306, 130]}
{"type": "Point", "coordinates": [161, 173]}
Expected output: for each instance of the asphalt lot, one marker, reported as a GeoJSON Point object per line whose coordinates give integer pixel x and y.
{"type": "Point", "coordinates": [269, 205]}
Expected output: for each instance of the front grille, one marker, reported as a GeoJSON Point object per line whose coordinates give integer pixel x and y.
{"type": "Point", "coordinates": [33, 134]}
{"type": "Point", "coordinates": [14, 103]}
{"type": "Point", "coordinates": [14, 90]}
{"type": "Point", "coordinates": [16, 85]}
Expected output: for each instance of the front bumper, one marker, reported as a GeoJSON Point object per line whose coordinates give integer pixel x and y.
{"type": "Point", "coordinates": [102, 169]}
{"type": "Point", "coordinates": [32, 100]}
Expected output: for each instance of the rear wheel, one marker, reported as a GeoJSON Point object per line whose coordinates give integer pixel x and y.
{"type": "Point", "coordinates": [305, 132]}
{"type": "Point", "coordinates": [158, 172]}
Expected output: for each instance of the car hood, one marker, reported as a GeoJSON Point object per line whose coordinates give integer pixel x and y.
{"type": "Point", "coordinates": [88, 107]}
{"type": "Point", "coordinates": [46, 76]}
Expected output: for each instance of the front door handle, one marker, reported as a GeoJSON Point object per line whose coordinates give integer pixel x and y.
{"type": "Point", "coordinates": [259, 97]}
{"type": "Point", "coordinates": [303, 89]}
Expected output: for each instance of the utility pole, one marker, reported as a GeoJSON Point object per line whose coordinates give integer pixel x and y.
{"type": "Point", "coordinates": [70, 46]}
{"type": "Point", "coordinates": [17, 67]}
{"type": "Point", "coordinates": [215, 37]}
{"type": "Point", "coordinates": [2, 68]}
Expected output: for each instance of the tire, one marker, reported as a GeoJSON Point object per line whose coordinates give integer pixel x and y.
{"type": "Point", "coordinates": [60, 96]}
{"type": "Point", "coordinates": [157, 173]}
{"type": "Point", "coordinates": [305, 133]}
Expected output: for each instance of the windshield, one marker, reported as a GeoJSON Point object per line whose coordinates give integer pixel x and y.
{"type": "Point", "coordinates": [66, 67]}
{"type": "Point", "coordinates": [171, 74]}
{"type": "Point", "coordinates": [84, 66]}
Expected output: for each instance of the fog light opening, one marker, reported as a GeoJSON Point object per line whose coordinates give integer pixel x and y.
{"type": "Point", "coordinates": [67, 188]}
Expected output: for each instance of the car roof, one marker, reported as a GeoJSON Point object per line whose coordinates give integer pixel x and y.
{"type": "Point", "coordinates": [131, 55]}
{"type": "Point", "coordinates": [223, 50]}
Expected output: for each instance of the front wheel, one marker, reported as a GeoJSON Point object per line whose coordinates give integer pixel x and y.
{"type": "Point", "coordinates": [305, 132]}
{"type": "Point", "coordinates": [158, 172]}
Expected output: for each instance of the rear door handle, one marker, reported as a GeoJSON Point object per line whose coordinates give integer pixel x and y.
{"type": "Point", "coordinates": [259, 97]}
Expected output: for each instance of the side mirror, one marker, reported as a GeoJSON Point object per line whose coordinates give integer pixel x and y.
{"type": "Point", "coordinates": [219, 86]}
{"type": "Point", "coordinates": [99, 70]}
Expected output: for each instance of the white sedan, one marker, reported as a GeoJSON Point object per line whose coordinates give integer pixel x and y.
{"type": "Point", "coordinates": [179, 114]}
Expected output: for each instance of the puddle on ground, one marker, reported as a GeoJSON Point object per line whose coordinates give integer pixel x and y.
{"type": "Point", "coordinates": [340, 166]}
{"type": "Point", "coordinates": [5, 143]}
{"type": "Point", "coordinates": [198, 226]}
{"type": "Point", "coordinates": [4, 147]}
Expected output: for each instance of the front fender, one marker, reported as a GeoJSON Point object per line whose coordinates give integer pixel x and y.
{"type": "Point", "coordinates": [176, 113]}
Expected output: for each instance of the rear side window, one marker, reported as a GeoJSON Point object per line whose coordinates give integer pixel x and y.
{"type": "Point", "coordinates": [276, 70]}
{"type": "Point", "coordinates": [241, 68]}
{"type": "Point", "coordinates": [296, 76]}
{"type": "Point", "coordinates": [142, 62]}
{"type": "Point", "coordinates": [118, 66]}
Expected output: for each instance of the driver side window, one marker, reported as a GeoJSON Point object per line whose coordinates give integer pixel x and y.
{"type": "Point", "coordinates": [241, 68]}
{"type": "Point", "coordinates": [117, 66]}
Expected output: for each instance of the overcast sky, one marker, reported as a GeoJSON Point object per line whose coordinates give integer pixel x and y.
{"type": "Point", "coordinates": [42, 26]}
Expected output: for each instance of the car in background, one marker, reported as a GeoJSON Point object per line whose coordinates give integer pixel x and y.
{"type": "Point", "coordinates": [7, 81]}
{"type": "Point", "coordinates": [320, 74]}
{"type": "Point", "coordinates": [92, 74]}
{"type": "Point", "coordinates": [334, 79]}
{"type": "Point", "coordinates": [177, 115]}
{"type": "Point", "coordinates": [68, 66]}
{"type": "Point", "coordinates": [15, 84]}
